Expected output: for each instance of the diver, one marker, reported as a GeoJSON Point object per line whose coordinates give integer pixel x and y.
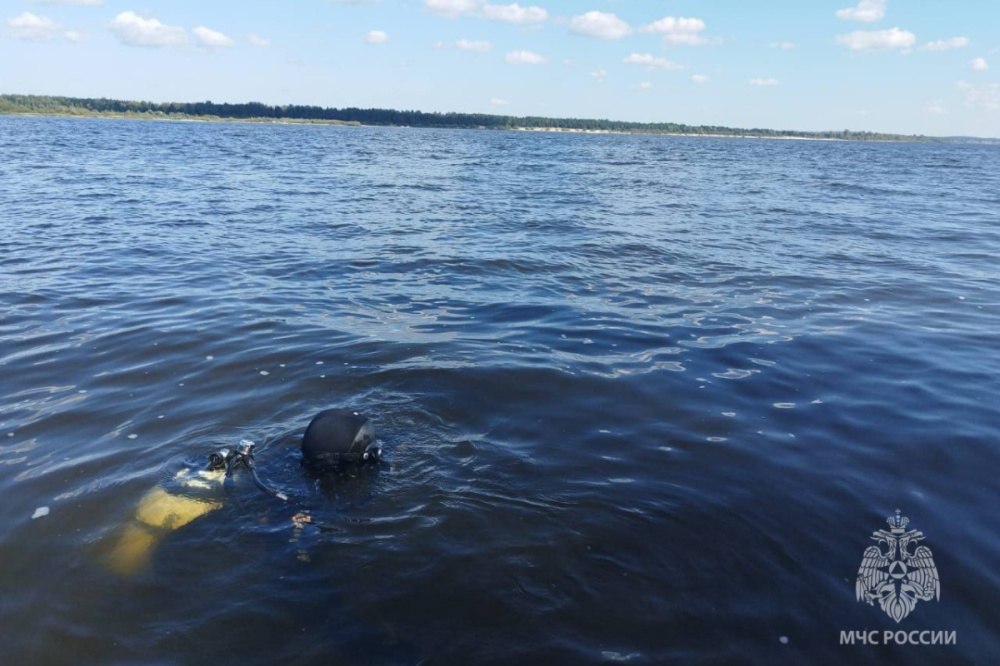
{"type": "Point", "coordinates": [335, 440]}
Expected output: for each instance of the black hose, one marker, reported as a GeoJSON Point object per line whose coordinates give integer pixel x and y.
{"type": "Point", "coordinates": [243, 455]}
{"type": "Point", "coordinates": [260, 484]}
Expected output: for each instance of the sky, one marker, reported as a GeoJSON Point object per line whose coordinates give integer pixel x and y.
{"type": "Point", "coordinates": [905, 66]}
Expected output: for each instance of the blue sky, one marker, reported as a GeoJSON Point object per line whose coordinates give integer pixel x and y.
{"type": "Point", "coordinates": [927, 66]}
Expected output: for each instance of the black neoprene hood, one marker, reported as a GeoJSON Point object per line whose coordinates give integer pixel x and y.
{"type": "Point", "coordinates": [337, 436]}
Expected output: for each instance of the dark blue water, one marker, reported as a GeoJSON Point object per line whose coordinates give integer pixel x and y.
{"type": "Point", "coordinates": [642, 399]}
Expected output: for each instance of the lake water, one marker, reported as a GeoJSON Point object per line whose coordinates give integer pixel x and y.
{"type": "Point", "coordinates": [641, 399]}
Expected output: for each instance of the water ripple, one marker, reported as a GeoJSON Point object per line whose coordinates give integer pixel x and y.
{"type": "Point", "coordinates": [642, 399]}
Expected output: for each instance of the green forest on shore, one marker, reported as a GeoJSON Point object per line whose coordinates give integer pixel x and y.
{"type": "Point", "coordinates": [293, 113]}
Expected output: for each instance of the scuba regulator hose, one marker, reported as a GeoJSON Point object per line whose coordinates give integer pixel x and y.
{"type": "Point", "coordinates": [243, 457]}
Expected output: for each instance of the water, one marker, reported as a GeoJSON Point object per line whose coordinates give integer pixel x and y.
{"type": "Point", "coordinates": [643, 399]}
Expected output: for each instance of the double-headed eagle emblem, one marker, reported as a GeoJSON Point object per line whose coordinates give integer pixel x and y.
{"type": "Point", "coordinates": [897, 573]}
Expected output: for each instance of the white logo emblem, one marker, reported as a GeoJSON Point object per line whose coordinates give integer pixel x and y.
{"type": "Point", "coordinates": [897, 572]}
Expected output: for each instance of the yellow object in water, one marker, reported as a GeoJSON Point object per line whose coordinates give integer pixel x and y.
{"type": "Point", "coordinates": [160, 512]}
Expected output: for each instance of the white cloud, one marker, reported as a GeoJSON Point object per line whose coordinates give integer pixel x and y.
{"type": "Point", "coordinates": [764, 83]}
{"type": "Point", "coordinates": [480, 46]}
{"type": "Point", "coordinates": [644, 85]}
{"type": "Point", "coordinates": [986, 97]}
{"type": "Point", "coordinates": [877, 40]}
{"type": "Point", "coordinates": [81, 3]}
{"type": "Point", "coordinates": [598, 75]}
{"type": "Point", "coordinates": [651, 61]}
{"type": "Point", "coordinates": [515, 14]}
{"type": "Point", "coordinates": [866, 11]}
{"type": "Point", "coordinates": [450, 8]}
{"type": "Point", "coordinates": [258, 41]}
{"type": "Point", "coordinates": [782, 46]}
{"type": "Point", "coordinates": [212, 39]}
{"type": "Point", "coordinates": [499, 101]}
{"type": "Point", "coordinates": [525, 58]}
{"type": "Point", "coordinates": [600, 25]}
{"type": "Point", "coordinates": [678, 31]}
{"type": "Point", "coordinates": [32, 27]}
{"type": "Point", "coordinates": [438, 45]}
{"type": "Point", "coordinates": [936, 108]}
{"type": "Point", "coordinates": [669, 24]}
{"type": "Point", "coordinates": [133, 30]}
{"type": "Point", "coordinates": [979, 65]}
{"type": "Point", "coordinates": [946, 44]}
{"type": "Point", "coordinates": [376, 37]}
{"type": "Point", "coordinates": [699, 78]}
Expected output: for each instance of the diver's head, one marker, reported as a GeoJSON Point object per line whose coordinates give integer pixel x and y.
{"type": "Point", "coordinates": [336, 437]}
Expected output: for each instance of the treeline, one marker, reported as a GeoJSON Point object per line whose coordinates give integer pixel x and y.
{"type": "Point", "coordinates": [296, 112]}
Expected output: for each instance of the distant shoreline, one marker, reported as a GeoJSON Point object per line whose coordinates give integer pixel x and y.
{"type": "Point", "coordinates": [257, 113]}
{"type": "Point", "coordinates": [295, 114]}
{"type": "Point", "coordinates": [183, 118]}
{"type": "Point", "coordinates": [790, 137]}
{"type": "Point", "coordinates": [180, 118]}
